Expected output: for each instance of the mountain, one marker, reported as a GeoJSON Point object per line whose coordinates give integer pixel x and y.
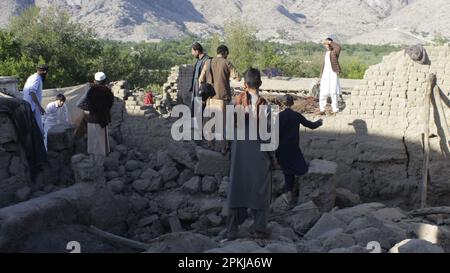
{"type": "Point", "coordinates": [350, 21]}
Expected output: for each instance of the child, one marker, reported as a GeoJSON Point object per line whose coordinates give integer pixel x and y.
{"type": "Point", "coordinates": [55, 113]}
{"type": "Point", "coordinates": [289, 155]}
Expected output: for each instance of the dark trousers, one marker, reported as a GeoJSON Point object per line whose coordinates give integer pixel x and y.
{"type": "Point", "coordinates": [289, 180]}
{"type": "Point", "coordinates": [237, 216]}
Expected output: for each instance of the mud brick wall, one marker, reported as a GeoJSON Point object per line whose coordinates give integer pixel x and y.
{"type": "Point", "coordinates": [377, 139]}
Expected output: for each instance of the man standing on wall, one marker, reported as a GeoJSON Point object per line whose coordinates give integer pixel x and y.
{"type": "Point", "coordinates": [32, 93]}
{"type": "Point", "coordinates": [329, 77]}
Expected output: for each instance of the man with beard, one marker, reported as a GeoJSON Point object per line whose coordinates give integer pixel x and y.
{"type": "Point", "coordinates": [100, 99]}
{"type": "Point", "coordinates": [32, 93]}
{"type": "Point", "coordinates": [201, 56]}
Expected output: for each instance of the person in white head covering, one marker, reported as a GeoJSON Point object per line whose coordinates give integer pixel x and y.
{"type": "Point", "coordinates": [56, 113]}
{"type": "Point", "coordinates": [100, 100]}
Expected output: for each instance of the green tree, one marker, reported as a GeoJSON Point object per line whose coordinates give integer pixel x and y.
{"type": "Point", "coordinates": [440, 39]}
{"type": "Point", "coordinates": [214, 43]}
{"type": "Point", "coordinates": [241, 41]}
{"type": "Point", "coordinates": [68, 47]}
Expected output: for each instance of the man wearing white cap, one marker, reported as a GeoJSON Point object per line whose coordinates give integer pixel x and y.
{"type": "Point", "coordinates": [99, 100]}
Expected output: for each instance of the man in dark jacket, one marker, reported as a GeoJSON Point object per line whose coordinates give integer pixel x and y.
{"type": "Point", "coordinates": [201, 56]}
{"type": "Point", "coordinates": [100, 100]}
{"type": "Point", "coordinates": [289, 155]}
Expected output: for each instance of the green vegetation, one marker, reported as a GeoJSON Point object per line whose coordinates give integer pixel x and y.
{"type": "Point", "coordinates": [74, 53]}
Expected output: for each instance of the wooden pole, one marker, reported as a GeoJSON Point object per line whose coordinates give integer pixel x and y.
{"type": "Point", "coordinates": [440, 109]}
{"type": "Point", "coordinates": [118, 239]}
{"type": "Point", "coordinates": [426, 139]}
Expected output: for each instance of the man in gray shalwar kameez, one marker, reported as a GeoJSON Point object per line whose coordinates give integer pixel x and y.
{"type": "Point", "coordinates": [250, 174]}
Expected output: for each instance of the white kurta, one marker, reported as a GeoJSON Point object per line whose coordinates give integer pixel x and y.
{"type": "Point", "coordinates": [34, 84]}
{"type": "Point", "coordinates": [329, 86]}
{"type": "Point", "coordinates": [54, 115]}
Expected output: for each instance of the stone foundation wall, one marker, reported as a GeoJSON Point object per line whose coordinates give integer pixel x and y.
{"type": "Point", "coordinates": [14, 171]}
{"type": "Point", "coordinates": [377, 139]}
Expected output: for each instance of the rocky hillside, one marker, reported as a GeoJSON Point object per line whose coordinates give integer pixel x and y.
{"type": "Point", "coordinates": [352, 21]}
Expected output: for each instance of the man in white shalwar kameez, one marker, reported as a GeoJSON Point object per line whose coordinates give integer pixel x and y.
{"type": "Point", "coordinates": [32, 93]}
{"type": "Point", "coordinates": [56, 113]}
{"type": "Point", "coordinates": [329, 77]}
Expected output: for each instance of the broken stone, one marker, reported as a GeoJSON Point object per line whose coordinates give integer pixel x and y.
{"type": "Point", "coordinates": [85, 169]}
{"type": "Point", "coordinates": [237, 246]}
{"type": "Point", "coordinates": [280, 233]}
{"type": "Point", "coordinates": [175, 225]}
{"type": "Point", "coordinates": [147, 220]}
{"type": "Point", "coordinates": [279, 206]}
{"type": "Point", "coordinates": [352, 249]}
{"type": "Point", "coordinates": [210, 163]}
{"type": "Point", "coordinates": [363, 222]}
{"type": "Point", "coordinates": [189, 214]}
{"type": "Point", "coordinates": [112, 161]}
{"type": "Point", "coordinates": [116, 186]}
{"type": "Point", "coordinates": [183, 153]}
{"type": "Point", "coordinates": [281, 248]}
{"type": "Point", "coordinates": [193, 185]}
{"type": "Point", "coordinates": [121, 170]}
{"type": "Point", "coordinates": [214, 219]}
{"type": "Point", "coordinates": [60, 137]}
{"type": "Point", "coordinates": [121, 149]}
{"type": "Point", "coordinates": [172, 201]}
{"type": "Point", "coordinates": [49, 188]}
{"type": "Point", "coordinates": [162, 158]}
{"type": "Point", "coordinates": [201, 225]}
{"type": "Point", "coordinates": [337, 239]}
{"type": "Point", "coordinates": [326, 223]}
{"type": "Point", "coordinates": [111, 175]}
{"type": "Point", "coordinates": [319, 185]}
{"type": "Point", "coordinates": [154, 179]}
{"type": "Point", "coordinates": [138, 203]}
{"type": "Point", "coordinates": [345, 198]}
{"type": "Point", "coordinates": [416, 246]}
{"type": "Point", "coordinates": [23, 194]}
{"type": "Point", "coordinates": [16, 167]}
{"type": "Point", "coordinates": [182, 242]}
{"type": "Point", "coordinates": [170, 185]}
{"type": "Point", "coordinates": [384, 236]}
{"type": "Point", "coordinates": [132, 165]}
{"type": "Point", "coordinates": [306, 215]}
{"type": "Point", "coordinates": [185, 175]}
{"type": "Point", "coordinates": [347, 215]}
{"type": "Point", "coordinates": [223, 188]}
{"type": "Point", "coordinates": [141, 185]}
{"type": "Point", "coordinates": [169, 171]}
{"type": "Point", "coordinates": [208, 205]}
{"type": "Point", "coordinates": [209, 184]}
{"type": "Point", "coordinates": [135, 174]}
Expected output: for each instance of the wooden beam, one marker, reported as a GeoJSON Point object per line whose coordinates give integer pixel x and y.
{"type": "Point", "coordinates": [443, 119]}
{"type": "Point", "coordinates": [118, 239]}
{"type": "Point", "coordinates": [426, 139]}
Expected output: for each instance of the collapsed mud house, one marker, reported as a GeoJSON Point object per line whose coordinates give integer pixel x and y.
{"type": "Point", "coordinates": [158, 195]}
